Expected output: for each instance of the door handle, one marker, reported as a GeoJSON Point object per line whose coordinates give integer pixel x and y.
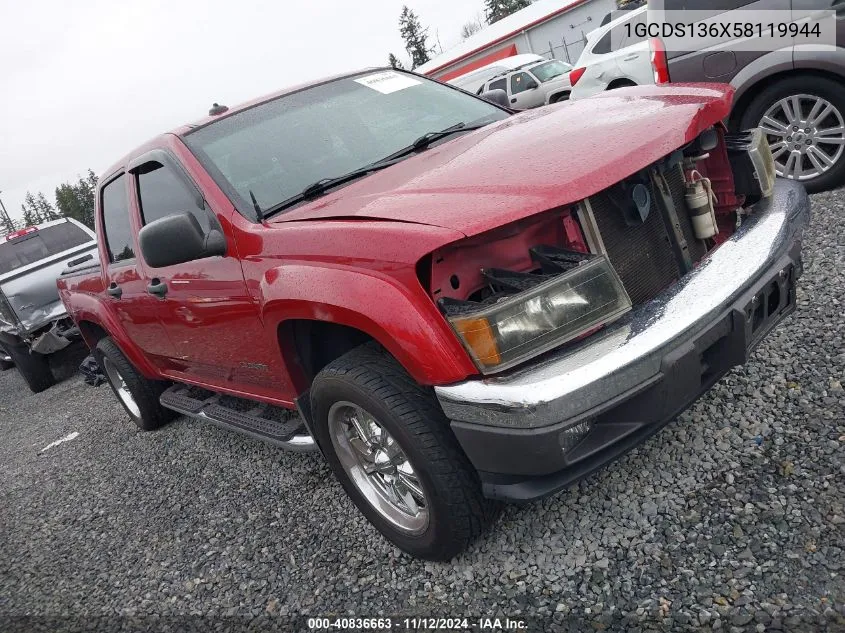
{"type": "Point", "coordinates": [631, 58]}
{"type": "Point", "coordinates": [157, 287]}
{"type": "Point", "coordinates": [115, 291]}
{"type": "Point", "coordinates": [513, 100]}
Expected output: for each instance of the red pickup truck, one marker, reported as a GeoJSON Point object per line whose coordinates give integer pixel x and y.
{"type": "Point", "coordinates": [457, 305]}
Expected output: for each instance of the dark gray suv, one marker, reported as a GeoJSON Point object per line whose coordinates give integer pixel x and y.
{"type": "Point", "coordinates": [796, 95]}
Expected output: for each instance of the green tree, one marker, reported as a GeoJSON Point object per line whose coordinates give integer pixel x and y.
{"type": "Point", "coordinates": [32, 212]}
{"type": "Point", "coordinates": [415, 36]}
{"type": "Point", "coordinates": [394, 61]}
{"type": "Point", "coordinates": [46, 211]}
{"type": "Point", "coordinates": [76, 200]}
{"type": "Point", "coordinates": [6, 224]}
{"type": "Point", "coordinates": [495, 10]}
{"type": "Point", "coordinates": [29, 218]}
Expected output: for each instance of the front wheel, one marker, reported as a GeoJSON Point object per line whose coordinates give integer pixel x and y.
{"type": "Point", "coordinates": [389, 444]}
{"type": "Point", "coordinates": [804, 121]}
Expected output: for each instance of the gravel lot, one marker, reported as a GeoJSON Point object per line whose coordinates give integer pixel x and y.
{"type": "Point", "coordinates": [732, 518]}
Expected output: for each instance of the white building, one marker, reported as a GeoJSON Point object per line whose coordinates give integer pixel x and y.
{"type": "Point", "coordinates": [553, 28]}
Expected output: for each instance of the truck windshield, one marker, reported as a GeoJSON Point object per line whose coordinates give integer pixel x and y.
{"type": "Point", "coordinates": [550, 70]}
{"type": "Point", "coordinates": [276, 149]}
{"type": "Point", "coordinates": [39, 244]}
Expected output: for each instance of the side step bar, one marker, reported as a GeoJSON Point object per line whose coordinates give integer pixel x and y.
{"type": "Point", "coordinates": [274, 425]}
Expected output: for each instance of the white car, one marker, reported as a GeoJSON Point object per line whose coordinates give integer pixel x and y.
{"type": "Point", "coordinates": [611, 59]}
{"type": "Point", "coordinates": [474, 80]}
{"type": "Point", "coordinates": [533, 85]}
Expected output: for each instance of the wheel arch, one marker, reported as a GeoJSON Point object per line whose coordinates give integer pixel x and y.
{"type": "Point", "coordinates": [621, 82]}
{"type": "Point", "coordinates": [562, 95]}
{"type": "Point", "coordinates": [352, 306]}
{"type": "Point", "coordinates": [748, 91]}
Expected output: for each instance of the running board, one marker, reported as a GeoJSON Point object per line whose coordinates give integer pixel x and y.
{"type": "Point", "coordinates": [265, 422]}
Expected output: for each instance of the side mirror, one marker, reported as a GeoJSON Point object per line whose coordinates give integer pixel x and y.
{"type": "Point", "coordinates": [499, 97]}
{"type": "Point", "coordinates": [177, 239]}
{"type": "Point", "coordinates": [531, 85]}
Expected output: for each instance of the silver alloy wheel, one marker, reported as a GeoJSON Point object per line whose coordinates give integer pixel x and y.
{"type": "Point", "coordinates": [378, 467]}
{"type": "Point", "coordinates": [806, 134]}
{"type": "Point", "coordinates": [120, 387]}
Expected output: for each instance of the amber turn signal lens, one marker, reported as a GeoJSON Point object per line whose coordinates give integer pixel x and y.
{"type": "Point", "coordinates": [478, 336]}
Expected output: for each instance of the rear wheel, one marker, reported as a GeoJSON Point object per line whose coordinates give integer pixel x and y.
{"type": "Point", "coordinates": [388, 442]}
{"type": "Point", "coordinates": [138, 395]}
{"type": "Point", "coordinates": [804, 120]}
{"type": "Point", "coordinates": [621, 83]}
{"type": "Point", "coordinates": [35, 368]}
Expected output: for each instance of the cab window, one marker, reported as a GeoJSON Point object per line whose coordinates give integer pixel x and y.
{"type": "Point", "coordinates": [520, 82]}
{"type": "Point", "coordinates": [499, 84]}
{"type": "Point", "coordinates": [116, 224]}
{"type": "Point", "coordinates": [162, 193]}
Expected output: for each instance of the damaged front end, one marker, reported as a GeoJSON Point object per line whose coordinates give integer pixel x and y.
{"type": "Point", "coordinates": [541, 283]}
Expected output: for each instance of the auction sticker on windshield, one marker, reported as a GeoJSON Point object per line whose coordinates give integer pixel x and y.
{"type": "Point", "coordinates": [387, 82]}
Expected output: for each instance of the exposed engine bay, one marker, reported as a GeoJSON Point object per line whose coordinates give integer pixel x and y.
{"type": "Point", "coordinates": [522, 289]}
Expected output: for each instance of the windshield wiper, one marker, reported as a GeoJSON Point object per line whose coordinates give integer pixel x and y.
{"type": "Point", "coordinates": [322, 186]}
{"type": "Point", "coordinates": [431, 137]}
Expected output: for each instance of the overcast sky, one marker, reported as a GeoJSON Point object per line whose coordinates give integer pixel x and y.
{"type": "Point", "coordinates": [82, 83]}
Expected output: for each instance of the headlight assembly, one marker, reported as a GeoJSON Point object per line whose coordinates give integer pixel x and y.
{"type": "Point", "coordinates": [520, 326]}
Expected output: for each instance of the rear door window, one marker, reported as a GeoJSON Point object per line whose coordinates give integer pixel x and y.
{"type": "Point", "coordinates": [40, 244]}
{"type": "Point", "coordinates": [116, 225]}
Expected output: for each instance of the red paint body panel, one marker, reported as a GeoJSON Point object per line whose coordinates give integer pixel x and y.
{"type": "Point", "coordinates": [538, 160]}
{"type": "Point", "coordinates": [354, 257]}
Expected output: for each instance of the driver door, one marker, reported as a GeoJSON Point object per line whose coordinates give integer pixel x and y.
{"type": "Point", "coordinates": [524, 91]}
{"type": "Point", "coordinates": [203, 305]}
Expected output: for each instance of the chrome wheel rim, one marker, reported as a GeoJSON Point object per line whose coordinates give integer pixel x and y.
{"type": "Point", "coordinates": [379, 468]}
{"type": "Point", "coordinates": [120, 388]}
{"type": "Point", "coordinates": [806, 134]}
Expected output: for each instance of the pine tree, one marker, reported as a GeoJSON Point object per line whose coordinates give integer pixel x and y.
{"type": "Point", "coordinates": [32, 213]}
{"type": "Point", "coordinates": [497, 9]}
{"type": "Point", "coordinates": [28, 218]}
{"type": "Point", "coordinates": [394, 61]}
{"type": "Point", "coordinates": [415, 36]}
{"type": "Point", "coordinates": [45, 210]}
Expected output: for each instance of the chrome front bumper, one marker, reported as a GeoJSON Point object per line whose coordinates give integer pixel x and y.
{"type": "Point", "coordinates": [629, 354]}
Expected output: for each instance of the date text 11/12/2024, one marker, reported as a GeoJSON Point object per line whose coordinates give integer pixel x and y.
{"type": "Point", "coordinates": [417, 623]}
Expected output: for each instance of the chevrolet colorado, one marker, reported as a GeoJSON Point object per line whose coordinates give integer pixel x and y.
{"type": "Point", "coordinates": [457, 305]}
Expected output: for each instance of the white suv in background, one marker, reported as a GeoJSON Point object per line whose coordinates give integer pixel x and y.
{"type": "Point", "coordinates": [534, 84]}
{"type": "Point", "coordinates": [611, 59]}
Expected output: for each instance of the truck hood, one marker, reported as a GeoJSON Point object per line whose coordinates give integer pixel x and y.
{"type": "Point", "coordinates": [531, 162]}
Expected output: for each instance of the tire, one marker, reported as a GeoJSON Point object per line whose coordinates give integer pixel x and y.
{"type": "Point", "coordinates": [138, 395]}
{"type": "Point", "coordinates": [813, 87]}
{"type": "Point", "coordinates": [369, 378]}
{"type": "Point", "coordinates": [35, 368]}
{"type": "Point", "coordinates": [623, 83]}
{"type": "Point", "coordinates": [559, 98]}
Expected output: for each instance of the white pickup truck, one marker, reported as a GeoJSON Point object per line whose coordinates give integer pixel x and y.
{"type": "Point", "coordinates": [33, 321]}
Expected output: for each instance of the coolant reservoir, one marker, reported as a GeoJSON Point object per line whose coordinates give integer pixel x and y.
{"type": "Point", "coordinates": [699, 199]}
